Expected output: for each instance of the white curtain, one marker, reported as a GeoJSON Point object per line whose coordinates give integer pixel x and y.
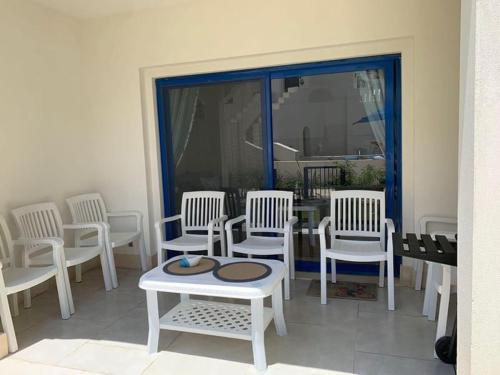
{"type": "Point", "coordinates": [183, 103]}
{"type": "Point", "coordinates": [373, 99]}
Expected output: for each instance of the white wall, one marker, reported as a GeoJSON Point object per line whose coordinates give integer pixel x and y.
{"type": "Point", "coordinates": [101, 127]}
{"type": "Point", "coordinates": [199, 37]}
{"type": "Point", "coordinates": [43, 140]}
{"type": "Point", "coordinates": [479, 196]}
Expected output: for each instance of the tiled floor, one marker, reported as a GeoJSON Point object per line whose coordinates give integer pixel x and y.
{"type": "Point", "coordinates": [108, 332]}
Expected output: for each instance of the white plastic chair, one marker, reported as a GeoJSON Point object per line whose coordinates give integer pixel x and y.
{"type": "Point", "coordinates": [423, 228]}
{"type": "Point", "coordinates": [267, 211]}
{"type": "Point", "coordinates": [90, 208]}
{"type": "Point", "coordinates": [14, 280]}
{"type": "Point", "coordinates": [41, 221]}
{"type": "Point", "coordinates": [357, 213]}
{"type": "Point", "coordinates": [201, 211]}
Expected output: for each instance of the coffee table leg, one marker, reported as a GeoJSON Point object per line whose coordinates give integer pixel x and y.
{"type": "Point", "coordinates": [153, 320]}
{"type": "Point", "coordinates": [310, 224]}
{"type": "Point", "coordinates": [279, 319]}
{"type": "Point", "coordinates": [259, 350]}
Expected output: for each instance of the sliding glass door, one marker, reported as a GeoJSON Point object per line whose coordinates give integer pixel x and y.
{"type": "Point", "coordinates": [306, 128]}
{"type": "Point", "coordinates": [214, 139]}
{"type": "Point", "coordinates": [329, 132]}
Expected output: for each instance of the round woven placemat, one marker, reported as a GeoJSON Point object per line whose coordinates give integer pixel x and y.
{"type": "Point", "coordinates": [205, 265]}
{"type": "Point", "coordinates": [242, 272]}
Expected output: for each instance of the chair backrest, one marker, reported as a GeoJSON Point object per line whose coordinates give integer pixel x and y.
{"type": "Point", "coordinates": [358, 213]}
{"type": "Point", "coordinates": [6, 245]}
{"type": "Point", "coordinates": [199, 207]}
{"type": "Point", "coordinates": [37, 221]}
{"type": "Point", "coordinates": [268, 210]}
{"type": "Point", "coordinates": [447, 221]}
{"type": "Point", "coordinates": [87, 208]}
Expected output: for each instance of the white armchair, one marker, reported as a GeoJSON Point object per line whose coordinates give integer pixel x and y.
{"type": "Point", "coordinates": [267, 211]}
{"type": "Point", "coordinates": [14, 279]}
{"type": "Point", "coordinates": [357, 213]}
{"type": "Point", "coordinates": [90, 208]}
{"type": "Point", "coordinates": [40, 222]}
{"type": "Point", "coordinates": [201, 211]}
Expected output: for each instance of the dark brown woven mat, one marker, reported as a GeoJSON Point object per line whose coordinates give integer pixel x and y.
{"type": "Point", "coordinates": [205, 265]}
{"type": "Point", "coordinates": [241, 272]}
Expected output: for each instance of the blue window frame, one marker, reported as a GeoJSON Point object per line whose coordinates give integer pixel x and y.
{"type": "Point", "coordinates": [390, 64]}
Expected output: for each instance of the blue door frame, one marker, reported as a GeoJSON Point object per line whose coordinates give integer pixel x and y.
{"type": "Point", "coordinates": [390, 64]}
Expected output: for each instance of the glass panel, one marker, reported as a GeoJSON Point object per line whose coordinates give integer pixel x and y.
{"type": "Point", "coordinates": [216, 135]}
{"type": "Point", "coordinates": [328, 133]}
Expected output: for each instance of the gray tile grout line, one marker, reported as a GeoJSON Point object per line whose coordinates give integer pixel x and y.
{"type": "Point", "coordinates": [401, 356]}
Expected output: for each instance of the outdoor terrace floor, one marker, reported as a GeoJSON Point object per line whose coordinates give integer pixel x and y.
{"type": "Point", "coordinates": [108, 332]}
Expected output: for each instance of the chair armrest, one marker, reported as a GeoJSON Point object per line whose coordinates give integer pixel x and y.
{"type": "Point", "coordinates": [57, 245]}
{"type": "Point", "coordinates": [212, 223]}
{"type": "Point", "coordinates": [125, 213]}
{"type": "Point", "coordinates": [390, 230]}
{"type": "Point", "coordinates": [236, 220]}
{"type": "Point", "coordinates": [100, 227]}
{"type": "Point", "coordinates": [325, 222]}
{"type": "Point", "coordinates": [390, 226]}
{"type": "Point", "coordinates": [167, 220]}
{"type": "Point", "coordinates": [290, 223]}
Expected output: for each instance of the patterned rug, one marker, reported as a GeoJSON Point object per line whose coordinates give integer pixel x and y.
{"type": "Point", "coordinates": [345, 289]}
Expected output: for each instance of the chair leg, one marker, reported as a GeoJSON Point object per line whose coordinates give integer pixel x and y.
{"type": "Point", "coordinates": [419, 271]}
{"type": "Point", "coordinates": [444, 303]}
{"type": "Point", "coordinates": [222, 243]}
{"type": "Point", "coordinates": [323, 279]}
{"type": "Point", "coordinates": [381, 275]}
{"type": "Point", "coordinates": [160, 256]}
{"type": "Point", "coordinates": [67, 284]}
{"type": "Point", "coordinates": [430, 290]}
{"type": "Point", "coordinates": [27, 298]}
{"type": "Point", "coordinates": [286, 260]}
{"type": "Point", "coordinates": [78, 273]}
{"type": "Point", "coordinates": [292, 257]}
{"type": "Point", "coordinates": [7, 324]}
{"type": "Point", "coordinates": [145, 259]}
{"type": "Point", "coordinates": [63, 297]}
{"type": "Point", "coordinates": [390, 284]}
{"type": "Point", "coordinates": [112, 268]}
{"type": "Point", "coordinates": [334, 270]}
{"type": "Point", "coordinates": [14, 304]}
{"type": "Point", "coordinates": [108, 285]}
{"type": "Point", "coordinates": [27, 292]}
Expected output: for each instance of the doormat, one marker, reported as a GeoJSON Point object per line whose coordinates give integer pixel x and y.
{"type": "Point", "coordinates": [345, 289]}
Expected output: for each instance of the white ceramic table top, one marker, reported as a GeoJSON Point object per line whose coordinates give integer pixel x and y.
{"type": "Point", "coordinates": [208, 285]}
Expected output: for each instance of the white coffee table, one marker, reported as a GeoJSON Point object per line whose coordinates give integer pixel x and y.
{"type": "Point", "coordinates": [217, 318]}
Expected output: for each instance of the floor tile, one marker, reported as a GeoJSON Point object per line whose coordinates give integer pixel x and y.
{"type": "Point", "coordinates": [72, 328]}
{"type": "Point", "coordinates": [314, 346]}
{"type": "Point", "coordinates": [169, 363]}
{"type": "Point", "coordinates": [18, 367]}
{"type": "Point", "coordinates": [109, 359]}
{"type": "Point", "coordinates": [408, 302]}
{"type": "Point", "coordinates": [307, 309]}
{"type": "Point", "coordinates": [49, 351]}
{"type": "Point", "coordinates": [395, 334]}
{"type": "Point", "coordinates": [132, 328]}
{"type": "Point", "coordinates": [375, 364]}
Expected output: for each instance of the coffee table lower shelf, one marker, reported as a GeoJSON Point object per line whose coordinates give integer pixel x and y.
{"type": "Point", "coordinates": [213, 318]}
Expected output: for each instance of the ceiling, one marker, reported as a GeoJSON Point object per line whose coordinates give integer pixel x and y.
{"type": "Point", "coordinates": [99, 8]}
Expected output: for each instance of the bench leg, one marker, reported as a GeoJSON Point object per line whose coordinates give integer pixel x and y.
{"type": "Point", "coordinates": [153, 320]}
{"type": "Point", "coordinates": [259, 350]}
